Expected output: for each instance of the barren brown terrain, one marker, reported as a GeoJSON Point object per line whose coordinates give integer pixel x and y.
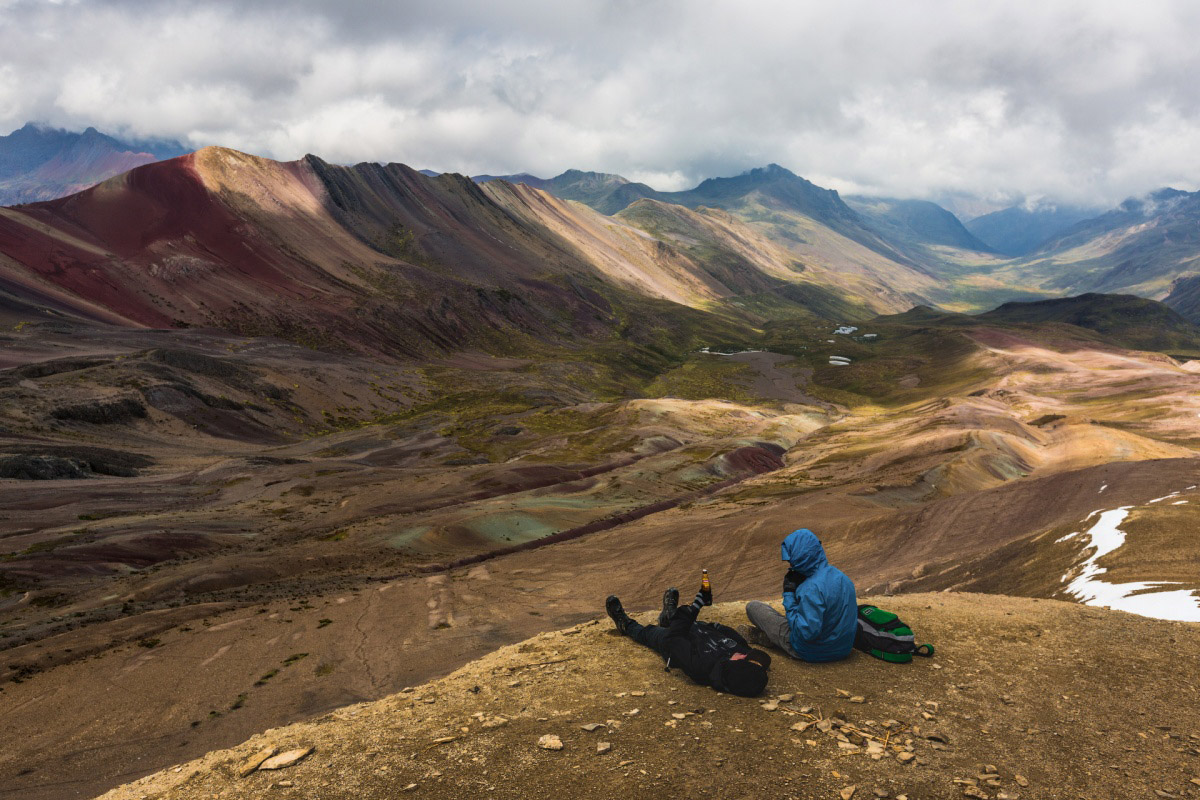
{"type": "Point", "coordinates": [322, 530]}
{"type": "Point", "coordinates": [1007, 708]}
{"type": "Point", "coordinates": [276, 438]}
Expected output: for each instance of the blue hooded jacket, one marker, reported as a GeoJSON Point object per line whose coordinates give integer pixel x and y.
{"type": "Point", "coordinates": [823, 611]}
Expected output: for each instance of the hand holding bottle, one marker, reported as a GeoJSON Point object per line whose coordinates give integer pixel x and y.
{"type": "Point", "coordinates": [705, 588]}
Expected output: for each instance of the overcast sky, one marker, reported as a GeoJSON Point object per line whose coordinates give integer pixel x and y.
{"type": "Point", "coordinates": [1086, 101]}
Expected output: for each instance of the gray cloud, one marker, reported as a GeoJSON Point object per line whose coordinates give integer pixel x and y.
{"type": "Point", "coordinates": [1079, 100]}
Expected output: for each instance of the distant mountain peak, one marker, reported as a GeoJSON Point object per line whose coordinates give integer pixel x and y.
{"type": "Point", "coordinates": [42, 162]}
{"type": "Point", "coordinates": [1167, 193]}
{"type": "Point", "coordinates": [775, 169]}
{"type": "Point", "coordinates": [575, 175]}
{"type": "Point", "coordinates": [1155, 202]}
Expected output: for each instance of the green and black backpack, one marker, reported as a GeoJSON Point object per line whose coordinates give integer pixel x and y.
{"type": "Point", "coordinates": [886, 636]}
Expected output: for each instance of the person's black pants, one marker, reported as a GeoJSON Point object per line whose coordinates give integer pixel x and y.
{"type": "Point", "coordinates": [651, 636]}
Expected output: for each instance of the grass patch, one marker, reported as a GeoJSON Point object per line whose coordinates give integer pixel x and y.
{"type": "Point", "coordinates": [266, 677]}
{"type": "Point", "coordinates": [705, 377]}
{"type": "Point", "coordinates": [100, 515]}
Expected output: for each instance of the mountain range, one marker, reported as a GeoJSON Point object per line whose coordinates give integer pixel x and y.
{"type": "Point", "coordinates": [1143, 246]}
{"type": "Point", "coordinates": [1018, 230]}
{"type": "Point", "coordinates": [38, 162]}
{"type": "Point", "coordinates": [266, 425]}
{"type": "Point", "coordinates": [766, 236]}
{"type": "Point", "coordinates": [384, 255]}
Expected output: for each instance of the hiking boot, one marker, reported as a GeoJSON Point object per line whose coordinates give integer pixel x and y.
{"type": "Point", "coordinates": [616, 613]}
{"type": "Point", "coordinates": [754, 635]}
{"type": "Point", "coordinates": [670, 604]}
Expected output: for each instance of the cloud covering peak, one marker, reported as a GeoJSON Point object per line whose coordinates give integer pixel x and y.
{"type": "Point", "coordinates": [1082, 101]}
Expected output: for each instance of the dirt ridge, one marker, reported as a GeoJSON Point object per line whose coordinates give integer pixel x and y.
{"type": "Point", "coordinates": [1006, 709]}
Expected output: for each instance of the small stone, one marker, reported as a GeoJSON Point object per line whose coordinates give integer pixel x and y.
{"type": "Point", "coordinates": [1196, 781]}
{"type": "Point", "coordinates": [285, 784]}
{"type": "Point", "coordinates": [770, 705]}
{"type": "Point", "coordinates": [550, 742]}
{"type": "Point", "coordinates": [638, 694]}
{"type": "Point", "coordinates": [409, 788]}
{"type": "Point", "coordinates": [976, 792]}
{"type": "Point", "coordinates": [625, 763]}
{"type": "Point", "coordinates": [858, 698]}
{"type": "Point", "coordinates": [849, 791]}
{"type": "Point", "coordinates": [785, 698]}
{"type": "Point", "coordinates": [881, 793]}
{"type": "Point", "coordinates": [842, 693]}
{"type": "Point", "coordinates": [683, 715]}
{"type": "Point", "coordinates": [286, 759]}
{"type": "Point", "coordinates": [603, 747]}
{"type": "Point", "coordinates": [801, 727]}
{"type": "Point", "coordinates": [255, 761]}
{"type": "Point", "coordinates": [591, 726]}
{"type": "Point", "coordinates": [1021, 780]}
{"type": "Point", "coordinates": [633, 712]}
{"type": "Point", "coordinates": [990, 768]}
{"type": "Point", "coordinates": [494, 722]}
{"type": "Point", "coordinates": [904, 758]}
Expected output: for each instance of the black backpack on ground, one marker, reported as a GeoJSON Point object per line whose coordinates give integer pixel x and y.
{"type": "Point", "coordinates": [884, 635]}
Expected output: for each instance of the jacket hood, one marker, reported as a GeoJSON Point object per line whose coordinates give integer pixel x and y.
{"type": "Point", "coordinates": [743, 678]}
{"type": "Point", "coordinates": [802, 549]}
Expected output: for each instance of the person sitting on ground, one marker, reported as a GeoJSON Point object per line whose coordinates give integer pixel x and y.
{"type": "Point", "coordinates": [819, 601]}
{"type": "Point", "coordinates": [709, 653]}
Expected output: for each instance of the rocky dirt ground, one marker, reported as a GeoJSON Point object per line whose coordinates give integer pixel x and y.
{"type": "Point", "coordinates": [1024, 698]}
{"type": "Point", "coordinates": [225, 561]}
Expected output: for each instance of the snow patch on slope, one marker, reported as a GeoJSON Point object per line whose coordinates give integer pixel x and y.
{"type": "Point", "coordinates": [1145, 598]}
